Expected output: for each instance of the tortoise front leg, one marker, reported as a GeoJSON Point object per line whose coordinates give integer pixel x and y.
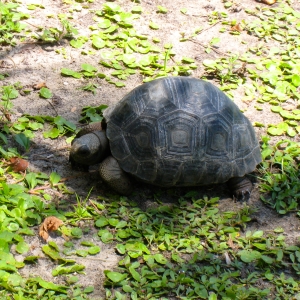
{"type": "Point", "coordinates": [114, 176]}
{"type": "Point", "coordinates": [241, 188]}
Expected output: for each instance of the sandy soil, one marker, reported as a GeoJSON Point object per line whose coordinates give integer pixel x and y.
{"type": "Point", "coordinates": [33, 62]}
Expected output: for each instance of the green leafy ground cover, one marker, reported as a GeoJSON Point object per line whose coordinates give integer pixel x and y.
{"type": "Point", "coordinates": [190, 250]}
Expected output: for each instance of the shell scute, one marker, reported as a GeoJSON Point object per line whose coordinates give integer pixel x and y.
{"type": "Point", "coordinates": [179, 131]}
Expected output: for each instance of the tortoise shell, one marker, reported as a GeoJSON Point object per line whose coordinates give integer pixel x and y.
{"type": "Point", "coordinates": [179, 131]}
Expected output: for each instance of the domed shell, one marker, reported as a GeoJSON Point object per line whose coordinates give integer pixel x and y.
{"type": "Point", "coordinates": [179, 131]}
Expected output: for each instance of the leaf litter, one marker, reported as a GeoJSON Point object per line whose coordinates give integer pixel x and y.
{"type": "Point", "coordinates": [129, 244]}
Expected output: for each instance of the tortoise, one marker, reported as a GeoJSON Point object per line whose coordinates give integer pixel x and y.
{"type": "Point", "coordinates": [172, 131]}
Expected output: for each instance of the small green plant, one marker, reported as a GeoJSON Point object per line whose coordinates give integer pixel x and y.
{"type": "Point", "coordinates": [91, 87]}
{"type": "Point", "coordinates": [227, 70]}
{"type": "Point", "coordinates": [161, 9]}
{"type": "Point", "coordinates": [52, 34]}
{"type": "Point", "coordinates": [280, 175]}
{"type": "Point", "coordinates": [92, 113]}
{"type": "Point", "coordinates": [8, 93]}
{"type": "Point", "coordinates": [10, 23]}
{"type": "Point", "coordinates": [81, 212]}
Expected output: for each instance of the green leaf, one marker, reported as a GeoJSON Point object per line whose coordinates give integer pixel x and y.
{"type": "Point", "coordinates": [23, 140]}
{"type": "Point", "coordinates": [53, 133]}
{"type": "Point", "coordinates": [76, 43]}
{"type": "Point", "coordinates": [127, 288]}
{"type": "Point", "coordinates": [121, 224]}
{"type": "Point", "coordinates": [291, 132]}
{"type": "Point", "coordinates": [257, 234]}
{"type": "Point", "coordinates": [50, 285]}
{"type": "Point", "coordinates": [68, 72]}
{"type": "Point", "coordinates": [101, 222]}
{"type": "Point", "coordinates": [54, 178]}
{"type": "Point", "coordinates": [104, 23]}
{"type": "Point", "coordinates": [87, 243]}
{"type": "Point", "coordinates": [51, 252]}
{"type": "Point", "coordinates": [128, 59]}
{"type": "Point", "coordinates": [212, 296]}
{"type": "Point", "coordinates": [121, 248]}
{"type": "Point", "coordinates": [136, 9]}
{"type": "Point", "coordinates": [161, 9]}
{"type": "Point", "coordinates": [13, 226]}
{"type": "Point", "coordinates": [82, 253]}
{"type": "Point", "coordinates": [94, 250]}
{"type": "Point", "coordinates": [187, 60]}
{"type": "Point", "coordinates": [31, 258]}
{"type": "Point", "coordinates": [67, 270]}
{"type": "Point", "coordinates": [136, 276]}
{"type": "Point", "coordinates": [153, 26]}
{"type": "Point", "coordinates": [98, 42]}
{"type": "Point", "coordinates": [296, 80]}
{"type": "Point", "coordinates": [119, 84]}
{"type": "Point", "coordinates": [88, 68]}
{"type": "Point", "coordinates": [22, 247]}
{"type": "Point", "coordinates": [123, 234]}
{"type": "Point", "coordinates": [88, 289]}
{"type": "Point", "coordinates": [249, 255]}
{"type": "Point", "coordinates": [76, 232]}
{"type": "Point", "coordinates": [45, 93]}
{"type": "Point", "coordinates": [267, 259]}
{"type": "Point", "coordinates": [160, 259]}
{"type": "Point", "coordinates": [31, 180]}
{"type": "Point", "coordinates": [275, 131]}
{"type": "Point", "coordinates": [105, 236]}
{"type": "Point", "coordinates": [115, 276]}
{"type": "Point", "coordinates": [35, 125]}
{"type": "Point", "coordinates": [3, 137]}
{"type": "Point", "coordinates": [183, 11]}
{"type": "Point", "coordinates": [214, 41]}
{"type": "Point", "coordinates": [113, 222]}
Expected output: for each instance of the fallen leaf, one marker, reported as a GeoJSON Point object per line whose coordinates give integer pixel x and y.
{"type": "Point", "coordinates": [231, 244]}
{"type": "Point", "coordinates": [227, 258]}
{"type": "Point", "coordinates": [18, 164]}
{"type": "Point", "coordinates": [40, 85]}
{"type": "Point", "coordinates": [49, 224]}
{"type": "Point", "coordinates": [237, 27]}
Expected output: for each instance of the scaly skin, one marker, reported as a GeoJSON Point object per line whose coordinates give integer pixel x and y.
{"type": "Point", "coordinates": [241, 188]}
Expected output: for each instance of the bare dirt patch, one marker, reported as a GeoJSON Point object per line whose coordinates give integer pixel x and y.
{"type": "Point", "coordinates": [35, 62]}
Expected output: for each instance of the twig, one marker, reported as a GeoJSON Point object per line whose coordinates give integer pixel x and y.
{"type": "Point", "coordinates": [71, 177]}
{"type": "Point", "coordinates": [212, 48]}
{"type": "Point", "coordinates": [32, 191]}
{"type": "Point", "coordinates": [205, 29]}
{"type": "Point", "coordinates": [21, 178]}
{"type": "Point", "coordinates": [52, 106]}
{"type": "Point", "coordinates": [97, 210]}
{"type": "Point", "coordinates": [39, 27]}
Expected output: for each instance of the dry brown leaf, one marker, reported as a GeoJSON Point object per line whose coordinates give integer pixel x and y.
{"type": "Point", "coordinates": [18, 164]}
{"type": "Point", "coordinates": [231, 244]}
{"type": "Point", "coordinates": [237, 27]}
{"type": "Point", "coordinates": [49, 224]}
{"type": "Point", "coordinates": [40, 85]}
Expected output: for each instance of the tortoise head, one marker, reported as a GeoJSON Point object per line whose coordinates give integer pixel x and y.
{"type": "Point", "coordinates": [90, 148]}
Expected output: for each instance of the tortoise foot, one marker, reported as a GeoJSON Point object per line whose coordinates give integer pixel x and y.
{"type": "Point", "coordinates": [115, 177]}
{"type": "Point", "coordinates": [241, 188]}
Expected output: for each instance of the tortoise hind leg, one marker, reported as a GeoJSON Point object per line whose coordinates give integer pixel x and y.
{"type": "Point", "coordinates": [114, 176]}
{"type": "Point", "coordinates": [241, 188]}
